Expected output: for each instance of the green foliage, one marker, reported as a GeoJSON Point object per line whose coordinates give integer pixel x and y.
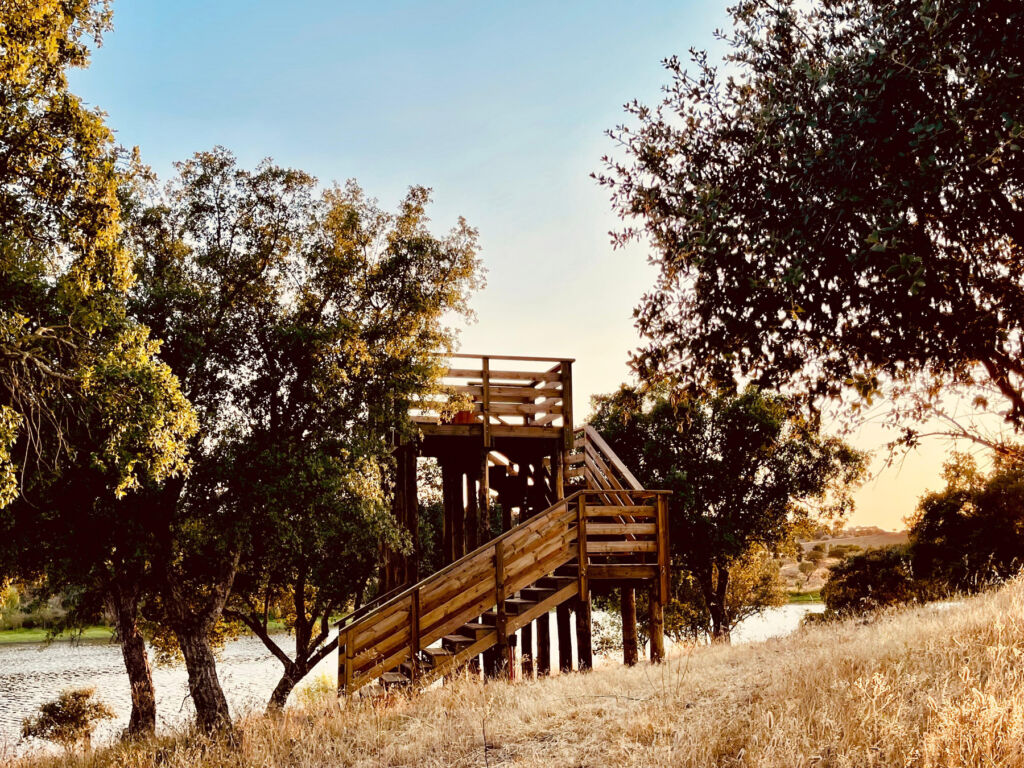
{"type": "Point", "coordinates": [65, 272]}
{"type": "Point", "coordinates": [746, 470]}
{"type": "Point", "coordinates": [807, 567]}
{"type": "Point", "coordinates": [878, 578]}
{"type": "Point", "coordinates": [815, 556]}
{"type": "Point", "coordinates": [302, 325]}
{"type": "Point", "coordinates": [839, 205]}
{"type": "Point", "coordinates": [67, 720]}
{"type": "Point", "coordinates": [971, 533]}
{"type": "Point", "coordinates": [843, 551]}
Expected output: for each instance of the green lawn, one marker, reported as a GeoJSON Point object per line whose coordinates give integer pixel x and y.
{"type": "Point", "coordinates": [814, 596]}
{"type": "Point", "coordinates": [39, 635]}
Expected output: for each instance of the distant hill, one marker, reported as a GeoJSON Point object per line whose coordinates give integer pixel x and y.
{"type": "Point", "coordinates": [798, 577]}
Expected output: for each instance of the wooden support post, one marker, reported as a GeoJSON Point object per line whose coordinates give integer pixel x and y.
{"type": "Point", "coordinates": [581, 544]}
{"type": "Point", "coordinates": [656, 622]}
{"type": "Point", "coordinates": [486, 405]}
{"type": "Point", "coordinates": [663, 550]}
{"type": "Point", "coordinates": [630, 642]}
{"type": "Point", "coordinates": [347, 671]}
{"type": "Point", "coordinates": [414, 634]}
{"type": "Point", "coordinates": [584, 643]}
{"type": "Point", "coordinates": [562, 619]}
{"type": "Point", "coordinates": [449, 492]}
{"type": "Point", "coordinates": [526, 652]}
{"type": "Point", "coordinates": [568, 437]}
{"type": "Point", "coordinates": [504, 647]}
{"type": "Point", "coordinates": [472, 513]}
{"type": "Point", "coordinates": [484, 501]}
{"type": "Point", "coordinates": [544, 645]}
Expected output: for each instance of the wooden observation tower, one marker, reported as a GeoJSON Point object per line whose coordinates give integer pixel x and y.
{"type": "Point", "coordinates": [537, 514]}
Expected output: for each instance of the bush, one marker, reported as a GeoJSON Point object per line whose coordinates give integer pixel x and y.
{"type": "Point", "coordinates": [875, 579]}
{"type": "Point", "coordinates": [815, 556]}
{"type": "Point", "coordinates": [67, 720]}
{"type": "Point", "coordinates": [843, 551]}
{"type": "Point", "coordinates": [807, 567]}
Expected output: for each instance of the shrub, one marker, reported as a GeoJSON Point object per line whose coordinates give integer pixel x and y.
{"type": "Point", "coordinates": [815, 556]}
{"type": "Point", "coordinates": [843, 551]}
{"type": "Point", "coordinates": [807, 567]}
{"type": "Point", "coordinates": [67, 720]}
{"type": "Point", "coordinates": [875, 579]}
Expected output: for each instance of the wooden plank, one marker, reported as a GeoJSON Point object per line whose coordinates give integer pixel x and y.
{"type": "Point", "coordinates": [622, 547]}
{"type": "Point", "coordinates": [545, 564]}
{"type": "Point", "coordinates": [620, 510]}
{"type": "Point", "coordinates": [577, 472]}
{"type": "Point", "coordinates": [621, 529]}
{"type": "Point", "coordinates": [507, 390]}
{"type": "Point", "coordinates": [516, 430]}
{"type": "Point", "coordinates": [542, 608]}
{"type": "Point", "coordinates": [624, 571]}
{"type": "Point", "coordinates": [594, 436]}
{"type": "Point", "coordinates": [525, 409]}
{"type": "Point", "coordinates": [469, 356]}
{"type": "Point", "coordinates": [469, 373]}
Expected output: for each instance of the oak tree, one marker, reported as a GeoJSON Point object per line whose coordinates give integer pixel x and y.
{"type": "Point", "coordinates": [838, 209]}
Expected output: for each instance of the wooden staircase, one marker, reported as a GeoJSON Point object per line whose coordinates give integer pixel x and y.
{"type": "Point", "coordinates": [608, 529]}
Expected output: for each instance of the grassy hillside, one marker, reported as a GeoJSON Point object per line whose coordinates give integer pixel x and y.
{"type": "Point", "coordinates": [932, 686]}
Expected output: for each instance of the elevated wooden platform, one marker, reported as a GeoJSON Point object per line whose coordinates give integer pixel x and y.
{"type": "Point", "coordinates": [572, 516]}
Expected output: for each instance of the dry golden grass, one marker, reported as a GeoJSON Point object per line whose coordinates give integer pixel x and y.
{"type": "Point", "coordinates": [939, 686]}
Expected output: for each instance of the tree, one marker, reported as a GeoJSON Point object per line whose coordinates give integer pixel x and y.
{"type": "Point", "coordinates": [301, 326]}
{"type": "Point", "coordinates": [971, 533]}
{"type": "Point", "coordinates": [745, 470]}
{"type": "Point", "coordinates": [878, 578]}
{"type": "Point", "coordinates": [839, 210]}
{"type": "Point", "coordinates": [88, 412]}
{"type": "Point", "coordinates": [65, 343]}
{"type": "Point", "coordinates": [753, 586]}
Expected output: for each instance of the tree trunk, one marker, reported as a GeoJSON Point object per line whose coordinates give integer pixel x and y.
{"type": "Point", "coordinates": [212, 713]}
{"type": "Point", "coordinates": [283, 689]}
{"type": "Point", "coordinates": [721, 627]}
{"type": "Point", "coordinates": [125, 605]}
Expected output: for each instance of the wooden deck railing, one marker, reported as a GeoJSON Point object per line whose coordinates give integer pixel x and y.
{"type": "Point", "coordinates": [505, 395]}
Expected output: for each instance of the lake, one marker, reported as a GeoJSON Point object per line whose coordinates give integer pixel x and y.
{"type": "Point", "coordinates": [32, 673]}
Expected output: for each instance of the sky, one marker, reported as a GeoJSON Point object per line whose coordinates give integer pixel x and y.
{"type": "Point", "coordinates": [500, 107]}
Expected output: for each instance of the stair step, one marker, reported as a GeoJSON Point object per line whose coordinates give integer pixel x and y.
{"type": "Point", "coordinates": [389, 679]}
{"type": "Point", "coordinates": [456, 643]}
{"type": "Point", "coordinates": [556, 582]}
{"type": "Point", "coordinates": [475, 630]}
{"type": "Point", "coordinates": [406, 669]}
{"type": "Point", "coordinates": [436, 655]}
{"type": "Point", "coordinates": [516, 605]}
{"type": "Point", "coordinates": [537, 594]}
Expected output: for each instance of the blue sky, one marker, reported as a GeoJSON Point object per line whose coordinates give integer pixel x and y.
{"type": "Point", "coordinates": [500, 107]}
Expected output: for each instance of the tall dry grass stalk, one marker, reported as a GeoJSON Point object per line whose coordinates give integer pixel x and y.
{"type": "Point", "coordinates": [932, 686]}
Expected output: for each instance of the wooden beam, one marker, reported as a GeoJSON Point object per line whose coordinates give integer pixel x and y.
{"type": "Point", "coordinates": [630, 642]}
{"type": "Point", "coordinates": [656, 625]}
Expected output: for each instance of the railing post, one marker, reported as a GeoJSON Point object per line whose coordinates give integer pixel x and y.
{"type": "Point", "coordinates": [486, 374]}
{"type": "Point", "coordinates": [346, 681]}
{"type": "Point", "coordinates": [661, 506]}
{"type": "Point", "coordinates": [581, 545]}
{"type": "Point", "coordinates": [414, 634]}
{"type": "Point", "coordinates": [501, 625]}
